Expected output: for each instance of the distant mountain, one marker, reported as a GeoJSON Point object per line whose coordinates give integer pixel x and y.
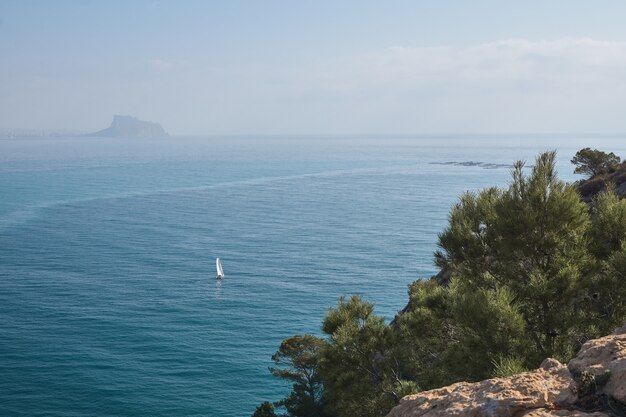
{"type": "Point", "coordinates": [131, 127]}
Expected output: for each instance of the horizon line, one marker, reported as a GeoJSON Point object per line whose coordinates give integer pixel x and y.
{"type": "Point", "coordinates": [41, 132]}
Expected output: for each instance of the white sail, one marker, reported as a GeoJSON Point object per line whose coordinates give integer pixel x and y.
{"type": "Point", "coordinates": [218, 266]}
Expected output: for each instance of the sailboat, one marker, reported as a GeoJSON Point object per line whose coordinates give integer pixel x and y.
{"type": "Point", "coordinates": [218, 266]}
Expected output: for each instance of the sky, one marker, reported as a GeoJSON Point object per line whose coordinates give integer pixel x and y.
{"type": "Point", "coordinates": [316, 67]}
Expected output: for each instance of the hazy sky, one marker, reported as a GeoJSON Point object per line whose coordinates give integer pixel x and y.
{"type": "Point", "coordinates": [315, 67]}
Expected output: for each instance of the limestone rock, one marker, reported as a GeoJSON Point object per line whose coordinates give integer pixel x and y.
{"type": "Point", "coordinates": [605, 354]}
{"type": "Point", "coordinates": [548, 391]}
{"type": "Point", "coordinates": [503, 397]}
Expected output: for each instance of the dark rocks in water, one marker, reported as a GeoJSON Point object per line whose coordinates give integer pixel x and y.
{"type": "Point", "coordinates": [131, 127]}
{"type": "Point", "coordinates": [486, 165]}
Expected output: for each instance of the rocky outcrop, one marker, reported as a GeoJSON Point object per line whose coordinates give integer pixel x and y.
{"type": "Point", "coordinates": [598, 372]}
{"type": "Point", "coordinates": [604, 358]}
{"type": "Point", "coordinates": [589, 188]}
{"type": "Point", "coordinates": [130, 127]}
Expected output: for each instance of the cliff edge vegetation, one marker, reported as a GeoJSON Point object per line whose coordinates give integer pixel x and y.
{"type": "Point", "coordinates": [532, 272]}
{"type": "Point", "coordinates": [593, 384]}
{"type": "Point", "coordinates": [604, 170]}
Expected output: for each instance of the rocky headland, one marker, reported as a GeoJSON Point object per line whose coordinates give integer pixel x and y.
{"type": "Point", "coordinates": [615, 177]}
{"type": "Point", "coordinates": [593, 384]}
{"type": "Point", "coordinates": [131, 127]}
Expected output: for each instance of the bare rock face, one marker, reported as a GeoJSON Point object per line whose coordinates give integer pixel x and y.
{"type": "Point", "coordinates": [551, 390]}
{"type": "Point", "coordinates": [605, 357]}
{"type": "Point", "coordinates": [503, 397]}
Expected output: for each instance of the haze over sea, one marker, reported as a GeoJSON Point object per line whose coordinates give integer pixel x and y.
{"type": "Point", "coordinates": [108, 297]}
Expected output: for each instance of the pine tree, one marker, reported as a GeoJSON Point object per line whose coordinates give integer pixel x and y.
{"type": "Point", "coordinates": [607, 298]}
{"type": "Point", "coordinates": [265, 409]}
{"type": "Point", "coordinates": [360, 365]}
{"type": "Point", "coordinates": [530, 241]}
{"type": "Point", "coordinates": [297, 360]}
{"type": "Point", "coordinates": [593, 162]}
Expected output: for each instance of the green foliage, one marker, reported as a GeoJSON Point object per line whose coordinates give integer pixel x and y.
{"type": "Point", "coordinates": [607, 299]}
{"type": "Point", "coordinates": [361, 364]}
{"type": "Point", "coordinates": [456, 333]}
{"type": "Point", "coordinates": [426, 332]}
{"type": "Point", "coordinates": [608, 228]}
{"type": "Point", "coordinates": [266, 409]}
{"type": "Point", "coordinates": [613, 283]}
{"type": "Point", "coordinates": [488, 325]}
{"type": "Point", "coordinates": [530, 242]}
{"type": "Point", "coordinates": [467, 240]}
{"type": "Point", "coordinates": [297, 359]}
{"type": "Point", "coordinates": [533, 274]}
{"type": "Point", "coordinates": [507, 366]}
{"type": "Point", "coordinates": [607, 291]}
{"type": "Point", "coordinates": [593, 162]}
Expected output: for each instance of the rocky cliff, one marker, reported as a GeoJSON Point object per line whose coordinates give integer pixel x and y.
{"type": "Point", "coordinates": [131, 127]}
{"type": "Point", "coordinates": [589, 188]}
{"type": "Point", "coordinates": [593, 384]}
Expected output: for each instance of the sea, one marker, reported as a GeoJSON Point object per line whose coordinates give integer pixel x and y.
{"type": "Point", "coordinates": [109, 304]}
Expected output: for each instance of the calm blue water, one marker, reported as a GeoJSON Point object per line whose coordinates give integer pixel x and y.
{"type": "Point", "coordinates": [108, 301]}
